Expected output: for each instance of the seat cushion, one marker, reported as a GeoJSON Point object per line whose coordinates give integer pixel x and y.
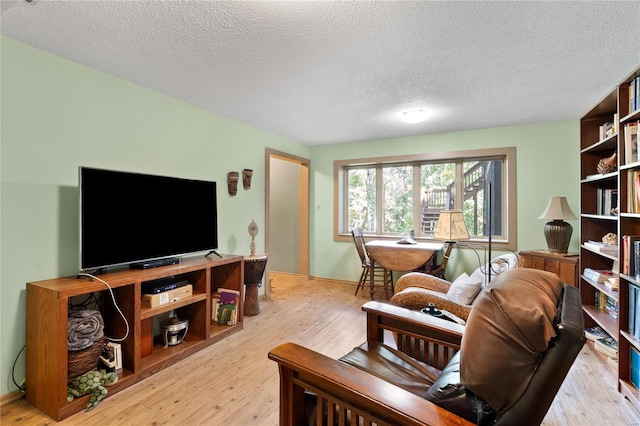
{"type": "Point", "coordinates": [508, 330]}
{"type": "Point", "coordinates": [393, 366]}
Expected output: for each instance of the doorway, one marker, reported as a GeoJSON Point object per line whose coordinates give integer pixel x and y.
{"type": "Point", "coordinates": [286, 215]}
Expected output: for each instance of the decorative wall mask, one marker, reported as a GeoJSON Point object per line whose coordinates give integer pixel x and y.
{"type": "Point", "coordinates": [232, 182]}
{"type": "Point", "coordinates": [246, 178]}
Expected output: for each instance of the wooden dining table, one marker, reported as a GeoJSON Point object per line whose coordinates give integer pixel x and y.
{"type": "Point", "coordinates": [399, 257]}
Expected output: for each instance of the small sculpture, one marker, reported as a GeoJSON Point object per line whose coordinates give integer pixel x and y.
{"type": "Point", "coordinates": [610, 239]}
{"type": "Point", "coordinates": [608, 165]}
{"type": "Point", "coordinates": [246, 178]}
{"type": "Point", "coordinates": [253, 231]}
{"type": "Point", "coordinates": [232, 182]}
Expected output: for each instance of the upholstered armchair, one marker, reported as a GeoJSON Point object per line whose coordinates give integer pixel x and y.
{"type": "Point", "coordinates": [416, 290]}
{"type": "Point", "coordinates": [503, 368]}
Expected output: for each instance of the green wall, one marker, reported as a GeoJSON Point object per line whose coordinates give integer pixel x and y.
{"type": "Point", "coordinates": [57, 115]}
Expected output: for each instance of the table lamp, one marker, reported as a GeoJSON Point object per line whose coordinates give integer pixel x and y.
{"type": "Point", "coordinates": [558, 232]}
{"type": "Point", "coordinates": [450, 229]}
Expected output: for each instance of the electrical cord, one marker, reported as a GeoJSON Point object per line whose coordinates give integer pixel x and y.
{"type": "Point", "coordinates": [22, 387]}
{"type": "Point", "coordinates": [113, 298]}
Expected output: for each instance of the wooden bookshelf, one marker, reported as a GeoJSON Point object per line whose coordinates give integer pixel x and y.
{"type": "Point", "coordinates": [615, 108]}
{"type": "Point", "coordinates": [143, 353]}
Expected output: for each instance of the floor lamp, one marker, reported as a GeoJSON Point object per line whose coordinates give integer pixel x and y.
{"type": "Point", "coordinates": [450, 228]}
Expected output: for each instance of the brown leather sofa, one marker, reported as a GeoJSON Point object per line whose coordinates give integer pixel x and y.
{"type": "Point", "coordinates": [504, 367]}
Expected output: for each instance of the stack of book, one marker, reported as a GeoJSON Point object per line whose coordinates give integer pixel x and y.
{"type": "Point", "coordinates": [601, 247]}
{"type": "Point", "coordinates": [595, 333]}
{"type": "Point", "coordinates": [603, 343]}
{"type": "Point", "coordinates": [228, 309]}
{"type": "Point", "coordinates": [607, 346]}
{"type": "Point", "coordinates": [598, 275]}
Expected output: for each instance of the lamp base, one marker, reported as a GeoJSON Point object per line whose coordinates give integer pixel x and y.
{"type": "Point", "coordinates": [558, 235]}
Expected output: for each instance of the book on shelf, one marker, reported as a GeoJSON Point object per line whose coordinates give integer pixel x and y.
{"type": "Point", "coordinates": [595, 333]}
{"type": "Point", "coordinates": [613, 362]}
{"type": "Point", "coordinates": [634, 303]}
{"type": "Point", "coordinates": [598, 275]}
{"type": "Point", "coordinates": [629, 253]}
{"type": "Point", "coordinates": [636, 260]}
{"type": "Point", "coordinates": [228, 309]}
{"type": "Point", "coordinates": [612, 283]}
{"type": "Point", "coordinates": [633, 192]}
{"type": "Point", "coordinates": [631, 142]}
{"type": "Point", "coordinates": [606, 303]}
{"type": "Point", "coordinates": [601, 247]}
{"type": "Point", "coordinates": [607, 346]}
{"type": "Point", "coordinates": [607, 129]}
{"type": "Point", "coordinates": [215, 305]}
{"type": "Point", "coordinates": [606, 201]}
{"type": "Point", "coordinates": [228, 296]}
{"type": "Point", "coordinates": [634, 94]}
{"type": "Point", "coordinates": [634, 367]}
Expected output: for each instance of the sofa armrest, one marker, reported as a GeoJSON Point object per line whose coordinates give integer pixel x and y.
{"type": "Point", "coordinates": [416, 298]}
{"type": "Point", "coordinates": [430, 340]}
{"type": "Point", "coordinates": [347, 392]}
{"type": "Point", "coordinates": [418, 279]}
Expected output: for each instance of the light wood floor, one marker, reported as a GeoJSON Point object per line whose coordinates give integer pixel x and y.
{"type": "Point", "coordinates": [233, 382]}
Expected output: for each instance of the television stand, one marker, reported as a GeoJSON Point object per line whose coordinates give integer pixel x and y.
{"type": "Point", "coordinates": [155, 263]}
{"type": "Point", "coordinates": [143, 352]}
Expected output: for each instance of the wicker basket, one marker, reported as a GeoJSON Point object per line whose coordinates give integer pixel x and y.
{"type": "Point", "coordinates": [83, 361]}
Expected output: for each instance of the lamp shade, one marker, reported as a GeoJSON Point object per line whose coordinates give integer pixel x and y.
{"type": "Point", "coordinates": [558, 209]}
{"type": "Point", "coordinates": [451, 226]}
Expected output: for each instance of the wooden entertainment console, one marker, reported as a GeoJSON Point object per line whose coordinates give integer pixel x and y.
{"type": "Point", "coordinates": [143, 355]}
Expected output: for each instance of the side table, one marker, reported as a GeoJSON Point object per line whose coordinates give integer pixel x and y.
{"type": "Point", "coordinates": [563, 265]}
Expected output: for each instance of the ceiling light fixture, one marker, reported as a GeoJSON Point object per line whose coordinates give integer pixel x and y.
{"type": "Point", "coordinates": [414, 116]}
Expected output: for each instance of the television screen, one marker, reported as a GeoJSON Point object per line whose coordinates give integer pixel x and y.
{"type": "Point", "coordinates": [132, 217]}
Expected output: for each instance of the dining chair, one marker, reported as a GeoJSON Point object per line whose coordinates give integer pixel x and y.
{"type": "Point", "coordinates": [369, 268]}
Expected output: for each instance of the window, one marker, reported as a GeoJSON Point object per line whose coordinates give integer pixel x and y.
{"type": "Point", "coordinates": [392, 196]}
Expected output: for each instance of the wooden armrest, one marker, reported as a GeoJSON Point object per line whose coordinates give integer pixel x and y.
{"type": "Point", "coordinates": [356, 393]}
{"type": "Point", "coordinates": [384, 316]}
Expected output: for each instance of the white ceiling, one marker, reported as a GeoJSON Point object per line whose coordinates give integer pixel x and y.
{"type": "Point", "coordinates": [320, 72]}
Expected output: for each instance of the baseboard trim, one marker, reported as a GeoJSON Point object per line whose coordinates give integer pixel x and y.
{"type": "Point", "coordinates": [314, 278]}
{"type": "Point", "coordinates": [10, 397]}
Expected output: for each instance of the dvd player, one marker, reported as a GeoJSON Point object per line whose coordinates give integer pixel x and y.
{"type": "Point", "coordinates": [155, 263]}
{"type": "Point", "coordinates": [163, 284]}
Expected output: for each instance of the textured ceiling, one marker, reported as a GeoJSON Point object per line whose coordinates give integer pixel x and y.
{"type": "Point", "coordinates": [321, 72]}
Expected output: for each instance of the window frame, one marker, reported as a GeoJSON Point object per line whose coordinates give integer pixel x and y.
{"type": "Point", "coordinates": [507, 241]}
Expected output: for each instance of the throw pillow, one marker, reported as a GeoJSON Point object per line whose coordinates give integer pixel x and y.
{"type": "Point", "coordinates": [464, 289]}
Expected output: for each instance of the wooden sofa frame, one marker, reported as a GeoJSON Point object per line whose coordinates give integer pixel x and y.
{"type": "Point", "coordinates": [347, 395]}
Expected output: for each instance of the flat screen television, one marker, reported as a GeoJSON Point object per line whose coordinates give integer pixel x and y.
{"type": "Point", "coordinates": [128, 218]}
